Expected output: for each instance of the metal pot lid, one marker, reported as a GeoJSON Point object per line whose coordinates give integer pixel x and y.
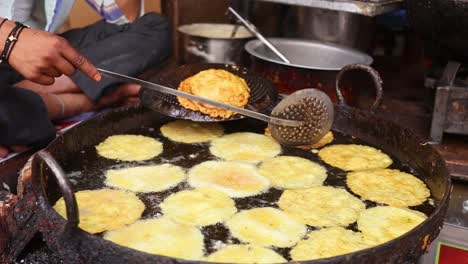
{"type": "Point", "coordinates": [214, 31]}
{"type": "Point", "coordinates": [308, 54]}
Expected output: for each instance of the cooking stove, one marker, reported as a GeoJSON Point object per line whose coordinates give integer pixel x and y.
{"type": "Point", "coordinates": [450, 109]}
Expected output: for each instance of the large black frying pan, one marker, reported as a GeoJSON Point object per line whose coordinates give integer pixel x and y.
{"type": "Point", "coordinates": [74, 151]}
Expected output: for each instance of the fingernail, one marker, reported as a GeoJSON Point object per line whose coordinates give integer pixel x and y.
{"type": "Point", "coordinates": [97, 77]}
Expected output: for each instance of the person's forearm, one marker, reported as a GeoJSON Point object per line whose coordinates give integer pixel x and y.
{"type": "Point", "coordinates": [131, 8]}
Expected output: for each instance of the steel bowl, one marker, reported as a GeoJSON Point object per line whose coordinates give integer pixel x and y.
{"type": "Point", "coordinates": [212, 43]}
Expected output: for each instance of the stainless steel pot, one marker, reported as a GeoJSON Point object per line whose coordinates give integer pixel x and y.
{"type": "Point", "coordinates": [212, 43]}
{"type": "Point", "coordinates": [313, 65]}
{"type": "Point", "coordinates": [337, 27]}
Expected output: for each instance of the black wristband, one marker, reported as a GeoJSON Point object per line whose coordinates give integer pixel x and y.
{"type": "Point", "coordinates": [12, 38]}
{"type": "Point", "coordinates": [14, 43]}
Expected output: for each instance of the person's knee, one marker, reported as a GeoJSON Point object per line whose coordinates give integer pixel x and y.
{"type": "Point", "coordinates": [152, 22]}
{"type": "Point", "coordinates": [155, 28]}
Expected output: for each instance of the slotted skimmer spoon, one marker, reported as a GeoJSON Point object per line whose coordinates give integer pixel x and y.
{"type": "Point", "coordinates": [301, 118]}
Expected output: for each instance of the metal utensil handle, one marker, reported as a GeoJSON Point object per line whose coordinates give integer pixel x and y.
{"type": "Point", "coordinates": [73, 217]}
{"type": "Point", "coordinates": [375, 77]}
{"type": "Point", "coordinates": [254, 31]}
{"type": "Point", "coordinates": [167, 90]}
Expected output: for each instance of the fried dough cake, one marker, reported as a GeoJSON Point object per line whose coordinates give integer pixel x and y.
{"type": "Point", "coordinates": [104, 209]}
{"type": "Point", "coordinates": [245, 254]}
{"type": "Point", "coordinates": [330, 242]}
{"type": "Point", "coordinates": [384, 223]}
{"type": "Point", "coordinates": [289, 172]}
{"type": "Point", "coordinates": [392, 187]}
{"type": "Point", "coordinates": [189, 132]}
{"type": "Point", "coordinates": [160, 236]}
{"type": "Point", "coordinates": [354, 157]}
{"type": "Point", "coordinates": [129, 148]}
{"type": "Point", "coordinates": [322, 206]}
{"type": "Point", "coordinates": [145, 179]}
{"type": "Point", "coordinates": [266, 227]}
{"type": "Point", "coordinates": [236, 179]}
{"type": "Point", "coordinates": [199, 207]}
{"type": "Point", "coordinates": [245, 146]}
{"type": "Point", "coordinates": [218, 85]}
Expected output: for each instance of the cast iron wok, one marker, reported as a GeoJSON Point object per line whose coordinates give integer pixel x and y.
{"type": "Point", "coordinates": [76, 246]}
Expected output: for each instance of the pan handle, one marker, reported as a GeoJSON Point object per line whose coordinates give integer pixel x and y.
{"type": "Point", "coordinates": [71, 205]}
{"type": "Point", "coordinates": [375, 77]}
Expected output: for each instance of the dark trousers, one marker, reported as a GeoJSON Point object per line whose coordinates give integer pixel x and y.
{"type": "Point", "coordinates": [128, 49]}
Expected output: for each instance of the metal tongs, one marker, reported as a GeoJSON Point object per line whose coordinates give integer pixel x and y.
{"type": "Point", "coordinates": [167, 90]}
{"type": "Point", "coordinates": [253, 29]}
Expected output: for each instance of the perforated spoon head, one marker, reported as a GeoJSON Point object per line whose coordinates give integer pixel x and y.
{"type": "Point", "coordinates": [311, 106]}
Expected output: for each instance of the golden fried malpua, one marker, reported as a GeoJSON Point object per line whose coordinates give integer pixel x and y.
{"type": "Point", "coordinates": [104, 209]}
{"type": "Point", "coordinates": [351, 157]}
{"type": "Point", "coordinates": [330, 242]}
{"type": "Point", "coordinates": [189, 132]}
{"type": "Point", "coordinates": [289, 172]}
{"type": "Point", "coordinates": [236, 179]}
{"type": "Point", "coordinates": [160, 236]}
{"type": "Point", "coordinates": [384, 223]}
{"type": "Point", "coordinates": [392, 187]}
{"type": "Point", "coordinates": [146, 179]}
{"type": "Point", "coordinates": [199, 207]}
{"type": "Point", "coordinates": [266, 227]}
{"type": "Point", "coordinates": [218, 85]}
{"type": "Point", "coordinates": [322, 206]}
{"type": "Point", "coordinates": [129, 148]}
{"type": "Point", "coordinates": [245, 147]}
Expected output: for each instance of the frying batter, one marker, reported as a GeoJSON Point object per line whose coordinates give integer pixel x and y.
{"type": "Point", "coordinates": [330, 242]}
{"type": "Point", "coordinates": [290, 172]}
{"type": "Point", "coordinates": [218, 85]}
{"type": "Point", "coordinates": [199, 207]}
{"type": "Point", "coordinates": [185, 131]}
{"type": "Point", "coordinates": [146, 179]}
{"type": "Point", "coordinates": [384, 223]}
{"type": "Point", "coordinates": [322, 206]}
{"type": "Point", "coordinates": [245, 146]}
{"type": "Point", "coordinates": [160, 236]}
{"type": "Point", "coordinates": [105, 209]}
{"type": "Point", "coordinates": [236, 179]}
{"type": "Point", "coordinates": [266, 227]}
{"type": "Point", "coordinates": [245, 254]}
{"type": "Point", "coordinates": [129, 148]}
{"type": "Point", "coordinates": [355, 157]}
{"type": "Point", "coordinates": [391, 187]}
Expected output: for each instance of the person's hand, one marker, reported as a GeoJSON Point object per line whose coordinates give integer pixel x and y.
{"type": "Point", "coordinates": [78, 103]}
{"type": "Point", "coordinates": [41, 56]}
{"type": "Point", "coordinates": [125, 94]}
